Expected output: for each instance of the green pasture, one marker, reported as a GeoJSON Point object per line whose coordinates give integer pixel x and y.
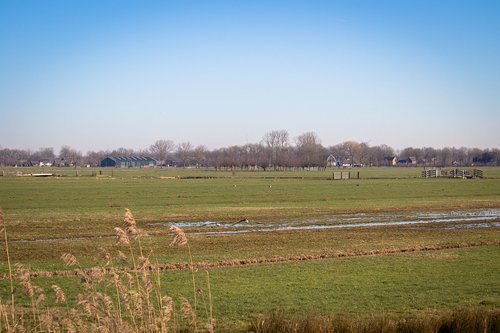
{"type": "Point", "coordinates": [399, 285]}
{"type": "Point", "coordinates": [323, 173]}
{"type": "Point", "coordinates": [45, 255]}
{"type": "Point", "coordinates": [77, 211]}
{"type": "Point", "coordinates": [265, 196]}
{"type": "Point", "coordinates": [72, 207]}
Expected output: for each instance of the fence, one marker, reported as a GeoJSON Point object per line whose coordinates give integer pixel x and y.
{"type": "Point", "coordinates": [432, 173]}
{"type": "Point", "coordinates": [475, 173]}
{"type": "Point", "coordinates": [454, 173]}
{"type": "Point", "coordinates": [340, 175]}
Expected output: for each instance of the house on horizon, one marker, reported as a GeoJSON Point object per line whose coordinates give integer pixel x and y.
{"type": "Point", "coordinates": [410, 161]}
{"type": "Point", "coordinates": [332, 161]}
{"type": "Point", "coordinates": [391, 160]}
{"type": "Point", "coordinates": [396, 161]}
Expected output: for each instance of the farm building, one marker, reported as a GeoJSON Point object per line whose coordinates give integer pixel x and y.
{"type": "Point", "coordinates": [128, 161]}
{"type": "Point", "coordinates": [396, 161]}
{"type": "Point", "coordinates": [407, 162]}
{"type": "Point", "coordinates": [331, 161]}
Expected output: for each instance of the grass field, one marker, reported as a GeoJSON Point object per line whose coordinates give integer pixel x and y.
{"type": "Point", "coordinates": [397, 270]}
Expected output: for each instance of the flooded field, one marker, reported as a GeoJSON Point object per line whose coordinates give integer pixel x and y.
{"type": "Point", "coordinates": [456, 219]}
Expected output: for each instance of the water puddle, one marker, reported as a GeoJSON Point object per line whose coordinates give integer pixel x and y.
{"type": "Point", "coordinates": [448, 218]}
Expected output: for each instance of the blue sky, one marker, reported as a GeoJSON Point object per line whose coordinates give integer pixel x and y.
{"type": "Point", "coordinates": [96, 74]}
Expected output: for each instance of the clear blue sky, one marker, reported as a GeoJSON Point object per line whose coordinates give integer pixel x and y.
{"type": "Point", "coordinates": [96, 74]}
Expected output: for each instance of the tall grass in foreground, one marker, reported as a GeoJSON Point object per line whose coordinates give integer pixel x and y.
{"type": "Point", "coordinates": [113, 300]}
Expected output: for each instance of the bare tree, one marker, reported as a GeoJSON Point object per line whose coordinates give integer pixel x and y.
{"type": "Point", "coordinates": [276, 139]}
{"type": "Point", "coordinates": [70, 156]}
{"type": "Point", "coordinates": [44, 155]}
{"type": "Point", "coordinates": [382, 155]}
{"type": "Point", "coordinates": [14, 156]}
{"type": "Point", "coordinates": [351, 151]}
{"type": "Point", "coordinates": [200, 155]}
{"type": "Point", "coordinates": [161, 148]}
{"type": "Point", "coordinates": [276, 143]}
{"type": "Point", "coordinates": [429, 156]}
{"type": "Point", "coordinates": [310, 153]}
{"type": "Point", "coordinates": [94, 158]}
{"type": "Point", "coordinates": [123, 152]}
{"type": "Point", "coordinates": [184, 152]}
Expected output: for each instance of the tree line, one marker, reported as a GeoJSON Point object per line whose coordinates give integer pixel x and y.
{"type": "Point", "coordinates": [275, 151]}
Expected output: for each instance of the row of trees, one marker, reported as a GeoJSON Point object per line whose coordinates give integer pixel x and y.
{"type": "Point", "coordinates": [275, 151]}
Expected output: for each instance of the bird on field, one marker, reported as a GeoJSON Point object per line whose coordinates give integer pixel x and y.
{"type": "Point", "coordinates": [244, 220]}
{"type": "Point", "coordinates": [211, 224]}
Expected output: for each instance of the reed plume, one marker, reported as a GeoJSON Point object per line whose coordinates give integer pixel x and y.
{"type": "Point", "coordinates": [148, 284]}
{"type": "Point", "coordinates": [144, 263]}
{"type": "Point", "coordinates": [105, 255]}
{"type": "Point", "coordinates": [129, 223]}
{"type": "Point", "coordinates": [167, 308]}
{"type": "Point", "coordinates": [122, 238]}
{"type": "Point", "coordinates": [180, 238]}
{"type": "Point", "coordinates": [186, 309]}
{"type": "Point", "coordinates": [23, 275]}
{"type": "Point", "coordinates": [69, 259]}
{"type": "Point", "coordinates": [123, 258]}
{"type": "Point", "coordinates": [60, 296]}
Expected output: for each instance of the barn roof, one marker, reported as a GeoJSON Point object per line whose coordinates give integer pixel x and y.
{"type": "Point", "coordinates": [132, 158]}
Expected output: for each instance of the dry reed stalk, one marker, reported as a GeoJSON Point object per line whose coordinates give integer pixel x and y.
{"type": "Point", "coordinates": [70, 328]}
{"type": "Point", "coordinates": [122, 238]}
{"type": "Point", "coordinates": [148, 284]}
{"type": "Point", "coordinates": [106, 301]}
{"type": "Point", "coordinates": [3, 229]}
{"type": "Point", "coordinates": [82, 301]}
{"type": "Point", "coordinates": [123, 258]}
{"type": "Point", "coordinates": [40, 299]}
{"type": "Point", "coordinates": [123, 297]}
{"type": "Point", "coordinates": [47, 320]}
{"type": "Point", "coordinates": [130, 280]}
{"type": "Point", "coordinates": [180, 238]}
{"type": "Point", "coordinates": [23, 274]}
{"type": "Point", "coordinates": [167, 307]}
{"type": "Point", "coordinates": [105, 255]}
{"type": "Point", "coordinates": [4, 318]}
{"type": "Point", "coordinates": [144, 263]}
{"type": "Point", "coordinates": [69, 259]}
{"type": "Point", "coordinates": [129, 223]}
{"type": "Point", "coordinates": [187, 311]}
{"type": "Point", "coordinates": [144, 266]}
{"type": "Point", "coordinates": [211, 323]}
{"type": "Point", "coordinates": [137, 302]}
{"type": "Point", "coordinates": [60, 296]}
{"type": "Point", "coordinates": [2, 222]}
